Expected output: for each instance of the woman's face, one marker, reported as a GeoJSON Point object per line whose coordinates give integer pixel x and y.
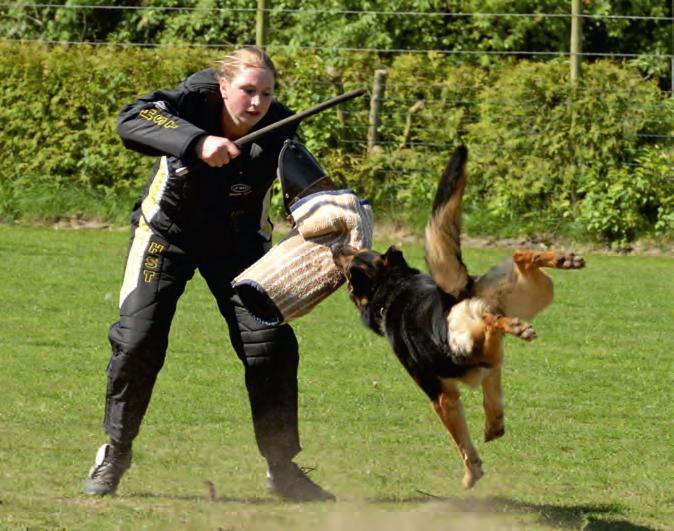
{"type": "Point", "coordinates": [247, 98]}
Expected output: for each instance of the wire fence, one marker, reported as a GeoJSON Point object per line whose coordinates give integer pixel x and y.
{"type": "Point", "coordinates": [249, 12]}
{"type": "Point", "coordinates": [353, 49]}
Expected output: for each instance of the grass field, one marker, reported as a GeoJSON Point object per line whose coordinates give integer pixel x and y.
{"type": "Point", "coordinates": [589, 443]}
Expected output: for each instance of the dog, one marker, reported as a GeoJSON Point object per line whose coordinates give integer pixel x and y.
{"type": "Point", "coordinates": [447, 328]}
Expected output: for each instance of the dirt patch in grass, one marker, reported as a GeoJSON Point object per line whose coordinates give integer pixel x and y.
{"type": "Point", "coordinates": [386, 230]}
{"type": "Point", "coordinates": [400, 235]}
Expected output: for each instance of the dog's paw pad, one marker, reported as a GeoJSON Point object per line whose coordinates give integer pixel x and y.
{"type": "Point", "coordinates": [578, 262]}
{"type": "Point", "coordinates": [569, 261]}
{"type": "Point", "coordinates": [524, 331]}
{"type": "Point", "coordinates": [528, 333]}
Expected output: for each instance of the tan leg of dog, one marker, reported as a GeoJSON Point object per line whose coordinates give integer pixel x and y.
{"type": "Point", "coordinates": [492, 392]}
{"type": "Point", "coordinates": [532, 290]}
{"type": "Point", "coordinates": [492, 401]}
{"type": "Point", "coordinates": [449, 408]}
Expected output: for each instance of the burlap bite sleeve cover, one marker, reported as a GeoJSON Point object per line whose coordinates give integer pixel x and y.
{"type": "Point", "coordinates": [299, 272]}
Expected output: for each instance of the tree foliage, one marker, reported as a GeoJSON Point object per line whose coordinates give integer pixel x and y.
{"type": "Point", "coordinates": [335, 25]}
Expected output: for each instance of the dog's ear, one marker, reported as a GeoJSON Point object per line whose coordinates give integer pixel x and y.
{"type": "Point", "coordinates": [394, 257]}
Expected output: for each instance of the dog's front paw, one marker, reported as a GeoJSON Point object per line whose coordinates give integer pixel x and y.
{"type": "Point", "coordinates": [509, 325]}
{"type": "Point", "coordinates": [569, 261]}
{"type": "Point", "coordinates": [522, 329]}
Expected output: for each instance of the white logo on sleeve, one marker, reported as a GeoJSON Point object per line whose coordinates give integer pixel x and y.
{"type": "Point", "coordinates": [240, 189]}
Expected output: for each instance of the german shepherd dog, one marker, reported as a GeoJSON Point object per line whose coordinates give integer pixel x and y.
{"type": "Point", "coordinates": [448, 327]}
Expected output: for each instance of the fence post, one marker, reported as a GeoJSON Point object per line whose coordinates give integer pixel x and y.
{"type": "Point", "coordinates": [261, 24]}
{"type": "Point", "coordinates": [576, 39]}
{"type": "Point", "coordinates": [408, 122]}
{"type": "Point", "coordinates": [375, 107]}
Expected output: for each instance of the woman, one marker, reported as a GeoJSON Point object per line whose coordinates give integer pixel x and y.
{"type": "Point", "coordinates": [204, 207]}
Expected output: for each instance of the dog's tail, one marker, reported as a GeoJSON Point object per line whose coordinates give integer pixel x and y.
{"type": "Point", "coordinates": [443, 230]}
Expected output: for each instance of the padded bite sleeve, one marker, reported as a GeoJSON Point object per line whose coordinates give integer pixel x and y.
{"type": "Point", "coordinates": [299, 272]}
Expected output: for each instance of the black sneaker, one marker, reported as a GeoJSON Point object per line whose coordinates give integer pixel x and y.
{"type": "Point", "coordinates": [291, 483]}
{"type": "Point", "coordinates": [110, 465]}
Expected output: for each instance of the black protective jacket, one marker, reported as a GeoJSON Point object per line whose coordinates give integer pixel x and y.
{"type": "Point", "coordinates": [184, 198]}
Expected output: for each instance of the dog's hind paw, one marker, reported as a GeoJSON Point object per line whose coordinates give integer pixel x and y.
{"type": "Point", "coordinates": [569, 261]}
{"type": "Point", "coordinates": [473, 473]}
{"type": "Point", "coordinates": [493, 433]}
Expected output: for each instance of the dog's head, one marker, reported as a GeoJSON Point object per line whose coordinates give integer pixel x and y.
{"type": "Point", "coordinates": [365, 270]}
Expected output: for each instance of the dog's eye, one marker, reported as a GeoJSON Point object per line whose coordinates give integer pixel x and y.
{"type": "Point", "coordinates": [362, 301]}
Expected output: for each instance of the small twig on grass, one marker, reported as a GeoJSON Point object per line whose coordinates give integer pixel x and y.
{"type": "Point", "coordinates": [431, 495]}
{"type": "Point", "coordinates": [211, 495]}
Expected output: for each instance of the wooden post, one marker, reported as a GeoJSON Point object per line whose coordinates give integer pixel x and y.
{"type": "Point", "coordinates": [375, 107]}
{"type": "Point", "coordinates": [261, 25]}
{"type": "Point", "coordinates": [575, 57]}
{"type": "Point", "coordinates": [576, 39]}
{"type": "Point", "coordinates": [408, 122]}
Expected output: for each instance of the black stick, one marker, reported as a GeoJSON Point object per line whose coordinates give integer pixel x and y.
{"type": "Point", "coordinates": [250, 137]}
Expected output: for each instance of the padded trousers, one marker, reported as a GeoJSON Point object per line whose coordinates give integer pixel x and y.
{"type": "Point", "coordinates": [155, 277]}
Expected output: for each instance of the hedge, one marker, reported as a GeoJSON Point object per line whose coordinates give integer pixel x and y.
{"type": "Point", "coordinates": [594, 160]}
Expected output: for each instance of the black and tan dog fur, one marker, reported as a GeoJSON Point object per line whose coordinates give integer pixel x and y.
{"type": "Point", "coordinates": [447, 328]}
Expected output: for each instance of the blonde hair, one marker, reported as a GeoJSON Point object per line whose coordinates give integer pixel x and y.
{"type": "Point", "coordinates": [249, 56]}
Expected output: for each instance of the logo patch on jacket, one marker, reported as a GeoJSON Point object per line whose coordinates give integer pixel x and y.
{"type": "Point", "coordinates": [240, 189]}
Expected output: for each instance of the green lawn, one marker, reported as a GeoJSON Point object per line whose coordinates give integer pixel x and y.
{"type": "Point", "coordinates": [589, 443]}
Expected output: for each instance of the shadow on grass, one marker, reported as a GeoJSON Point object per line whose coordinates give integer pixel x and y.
{"type": "Point", "coordinates": [588, 517]}
{"type": "Point", "coordinates": [591, 517]}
